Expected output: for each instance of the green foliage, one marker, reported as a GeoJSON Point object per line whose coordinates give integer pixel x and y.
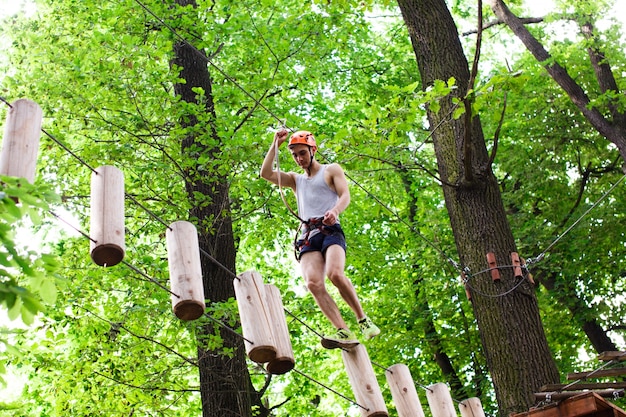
{"type": "Point", "coordinates": [28, 279]}
{"type": "Point", "coordinates": [101, 72]}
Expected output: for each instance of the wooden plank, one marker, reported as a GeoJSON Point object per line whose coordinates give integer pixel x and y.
{"type": "Point", "coordinates": [612, 355]}
{"type": "Point", "coordinates": [580, 405]}
{"type": "Point", "coordinates": [583, 386]}
{"type": "Point", "coordinates": [596, 374]}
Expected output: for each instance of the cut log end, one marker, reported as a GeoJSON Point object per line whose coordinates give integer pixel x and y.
{"type": "Point", "coordinates": [188, 310]}
{"type": "Point", "coordinates": [280, 366]}
{"type": "Point", "coordinates": [107, 255]}
{"type": "Point", "coordinates": [262, 354]}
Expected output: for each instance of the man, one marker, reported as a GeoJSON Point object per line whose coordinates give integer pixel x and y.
{"type": "Point", "coordinates": [322, 194]}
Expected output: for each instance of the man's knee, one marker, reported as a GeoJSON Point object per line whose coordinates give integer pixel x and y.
{"type": "Point", "coordinates": [315, 286]}
{"type": "Point", "coordinates": [337, 277]}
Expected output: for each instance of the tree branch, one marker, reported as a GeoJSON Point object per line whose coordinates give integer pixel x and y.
{"type": "Point", "coordinates": [576, 94]}
{"type": "Point", "coordinates": [497, 22]}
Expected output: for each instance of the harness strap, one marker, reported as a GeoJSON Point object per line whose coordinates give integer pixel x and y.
{"type": "Point", "coordinates": [314, 223]}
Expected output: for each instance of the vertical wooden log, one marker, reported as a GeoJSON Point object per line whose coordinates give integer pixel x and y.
{"type": "Point", "coordinates": [471, 408]}
{"type": "Point", "coordinates": [284, 360]}
{"type": "Point", "coordinates": [255, 317]}
{"type": "Point", "coordinates": [107, 216]}
{"type": "Point", "coordinates": [440, 400]}
{"type": "Point", "coordinates": [364, 383]}
{"type": "Point", "coordinates": [403, 391]}
{"type": "Point", "coordinates": [21, 140]}
{"type": "Point", "coordinates": [491, 261]}
{"type": "Point", "coordinates": [183, 255]}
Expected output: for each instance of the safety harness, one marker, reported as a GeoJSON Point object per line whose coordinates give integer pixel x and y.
{"type": "Point", "coordinates": [314, 223]}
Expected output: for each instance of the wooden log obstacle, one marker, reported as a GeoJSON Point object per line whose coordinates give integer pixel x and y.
{"type": "Point", "coordinates": [107, 216]}
{"type": "Point", "coordinates": [263, 322]}
{"type": "Point", "coordinates": [185, 270]}
{"type": "Point", "coordinates": [403, 391]}
{"type": "Point", "coordinates": [284, 360]}
{"type": "Point", "coordinates": [363, 381]}
{"type": "Point", "coordinates": [20, 144]}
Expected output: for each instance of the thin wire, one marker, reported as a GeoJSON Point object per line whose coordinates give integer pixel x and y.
{"type": "Point", "coordinates": [123, 261]}
{"type": "Point", "coordinates": [4, 100]}
{"type": "Point", "coordinates": [150, 278]}
{"type": "Point", "coordinates": [130, 197]}
{"type": "Point", "coordinates": [219, 264]}
{"type": "Point", "coordinates": [330, 389]}
{"type": "Point", "coordinates": [72, 226]}
{"type": "Point", "coordinates": [68, 150]}
{"type": "Point", "coordinates": [593, 206]}
{"type": "Point", "coordinates": [484, 271]}
{"type": "Point", "coordinates": [304, 324]}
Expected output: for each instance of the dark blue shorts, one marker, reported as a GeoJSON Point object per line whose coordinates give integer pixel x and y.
{"type": "Point", "coordinates": [332, 235]}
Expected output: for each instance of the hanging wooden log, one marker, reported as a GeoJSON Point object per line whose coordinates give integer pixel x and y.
{"type": "Point", "coordinates": [364, 383]}
{"type": "Point", "coordinates": [284, 360]}
{"type": "Point", "coordinates": [440, 400]}
{"type": "Point", "coordinates": [183, 254]}
{"type": "Point", "coordinates": [20, 144]}
{"type": "Point", "coordinates": [255, 317]}
{"type": "Point", "coordinates": [471, 408]}
{"type": "Point", "coordinates": [107, 216]}
{"type": "Point", "coordinates": [403, 391]}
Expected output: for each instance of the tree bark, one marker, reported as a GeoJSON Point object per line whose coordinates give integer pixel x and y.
{"type": "Point", "coordinates": [506, 311]}
{"type": "Point", "coordinates": [225, 386]}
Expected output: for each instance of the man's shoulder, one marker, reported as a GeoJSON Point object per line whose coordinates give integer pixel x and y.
{"type": "Point", "coordinates": [334, 167]}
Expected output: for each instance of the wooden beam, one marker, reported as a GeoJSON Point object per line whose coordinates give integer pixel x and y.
{"type": "Point", "coordinates": [612, 355]}
{"type": "Point", "coordinates": [596, 374]}
{"type": "Point", "coordinates": [583, 386]}
{"type": "Point", "coordinates": [557, 396]}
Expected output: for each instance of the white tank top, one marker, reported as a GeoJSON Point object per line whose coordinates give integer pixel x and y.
{"type": "Point", "coordinates": [314, 196]}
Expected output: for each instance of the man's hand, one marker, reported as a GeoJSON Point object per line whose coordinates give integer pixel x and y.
{"type": "Point", "coordinates": [330, 218]}
{"type": "Point", "coordinates": [280, 136]}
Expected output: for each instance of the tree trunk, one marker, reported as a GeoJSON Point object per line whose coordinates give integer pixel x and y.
{"type": "Point", "coordinates": [430, 330]}
{"type": "Point", "coordinates": [506, 311]}
{"type": "Point", "coordinates": [225, 386]}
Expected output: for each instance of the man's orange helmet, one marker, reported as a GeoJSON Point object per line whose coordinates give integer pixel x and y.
{"type": "Point", "coordinates": [303, 137]}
